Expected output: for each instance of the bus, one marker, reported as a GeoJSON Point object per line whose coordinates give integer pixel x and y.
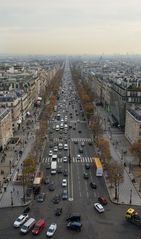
{"type": "Point", "coordinates": [98, 166]}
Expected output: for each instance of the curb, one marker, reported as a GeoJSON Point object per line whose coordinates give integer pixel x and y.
{"type": "Point", "coordinates": [14, 206]}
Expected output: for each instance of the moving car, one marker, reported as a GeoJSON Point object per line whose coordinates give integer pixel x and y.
{"type": "Point", "coordinates": [74, 218]}
{"type": "Point", "coordinates": [50, 153]}
{"type": "Point", "coordinates": [65, 159]}
{"type": "Point", "coordinates": [65, 173]}
{"type": "Point", "coordinates": [58, 211]}
{"type": "Point", "coordinates": [20, 220]}
{"type": "Point", "coordinates": [75, 226]}
{"type": "Point", "coordinates": [46, 180]}
{"type": "Point", "coordinates": [86, 175]}
{"type": "Point", "coordinates": [41, 197]}
{"type": "Point", "coordinates": [99, 207]}
{"type": "Point", "coordinates": [93, 185]}
{"type": "Point", "coordinates": [78, 157]}
{"type": "Point", "coordinates": [51, 230]}
{"type": "Point", "coordinates": [87, 166]}
{"type": "Point", "coordinates": [56, 199]}
{"type": "Point", "coordinates": [51, 186]}
{"type": "Point", "coordinates": [102, 200]}
{"type": "Point", "coordinates": [39, 226]}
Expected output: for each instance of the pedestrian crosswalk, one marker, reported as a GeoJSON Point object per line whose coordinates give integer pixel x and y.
{"type": "Point", "coordinates": [74, 160]}
{"type": "Point", "coordinates": [73, 139]}
{"type": "Point", "coordinates": [81, 139]}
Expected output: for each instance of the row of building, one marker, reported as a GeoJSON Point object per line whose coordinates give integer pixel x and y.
{"type": "Point", "coordinates": [116, 84]}
{"type": "Point", "coordinates": [21, 86]}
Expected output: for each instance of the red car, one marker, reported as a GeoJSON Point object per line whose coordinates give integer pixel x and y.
{"type": "Point", "coordinates": [38, 227]}
{"type": "Point", "coordinates": [102, 200]}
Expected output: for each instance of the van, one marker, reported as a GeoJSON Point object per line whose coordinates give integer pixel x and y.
{"type": "Point", "coordinates": [75, 226]}
{"type": "Point", "coordinates": [26, 227]}
{"type": "Point", "coordinates": [72, 218]}
{"type": "Point", "coordinates": [38, 227]}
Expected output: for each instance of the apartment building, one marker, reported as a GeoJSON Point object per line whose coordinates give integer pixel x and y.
{"type": "Point", "coordinates": [133, 125]}
{"type": "Point", "coordinates": [6, 131]}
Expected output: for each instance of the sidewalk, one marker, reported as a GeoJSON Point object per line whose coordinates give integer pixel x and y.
{"type": "Point", "coordinates": [129, 189]}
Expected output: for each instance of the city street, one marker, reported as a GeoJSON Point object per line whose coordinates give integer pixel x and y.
{"type": "Point", "coordinates": [81, 197]}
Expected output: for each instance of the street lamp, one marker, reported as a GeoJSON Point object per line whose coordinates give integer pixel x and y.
{"type": "Point", "coordinates": [11, 198]}
{"type": "Point", "coordinates": [10, 165]}
{"type": "Point", "coordinates": [130, 196]}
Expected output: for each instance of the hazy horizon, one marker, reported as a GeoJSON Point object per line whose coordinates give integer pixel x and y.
{"type": "Point", "coordinates": [76, 27]}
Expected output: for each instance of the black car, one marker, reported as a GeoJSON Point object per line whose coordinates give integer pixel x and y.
{"type": "Point", "coordinates": [75, 226]}
{"type": "Point", "coordinates": [51, 186]}
{"type": "Point", "coordinates": [80, 150]}
{"type": "Point", "coordinates": [56, 199]}
{"type": "Point", "coordinates": [41, 197]}
{"type": "Point", "coordinates": [26, 210]}
{"type": "Point", "coordinates": [46, 180]}
{"type": "Point", "coordinates": [48, 166]}
{"type": "Point", "coordinates": [74, 218]}
{"type": "Point", "coordinates": [87, 166]}
{"type": "Point", "coordinates": [59, 170]}
{"type": "Point", "coordinates": [65, 173]}
{"type": "Point", "coordinates": [58, 211]}
{"type": "Point", "coordinates": [86, 175]}
{"type": "Point", "coordinates": [93, 185]}
{"type": "Point", "coordinates": [65, 194]}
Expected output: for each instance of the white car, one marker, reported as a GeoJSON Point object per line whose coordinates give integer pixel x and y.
{"type": "Point", "coordinates": [55, 149]}
{"type": "Point", "coordinates": [99, 207]}
{"type": "Point", "coordinates": [65, 159]}
{"type": "Point", "coordinates": [78, 156]}
{"type": "Point", "coordinates": [64, 183]}
{"type": "Point", "coordinates": [51, 230]}
{"type": "Point", "coordinates": [65, 146]}
{"type": "Point", "coordinates": [20, 220]}
{"type": "Point", "coordinates": [50, 153]}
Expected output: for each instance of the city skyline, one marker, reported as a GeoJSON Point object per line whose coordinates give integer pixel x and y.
{"type": "Point", "coordinates": [70, 27]}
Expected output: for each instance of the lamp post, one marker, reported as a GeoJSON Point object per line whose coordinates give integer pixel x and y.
{"type": "Point", "coordinates": [11, 198]}
{"type": "Point", "coordinates": [10, 166]}
{"type": "Point", "coordinates": [130, 196]}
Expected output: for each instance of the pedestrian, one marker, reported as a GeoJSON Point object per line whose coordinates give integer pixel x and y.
{"type": "Point", "coordinates": [17, 192]}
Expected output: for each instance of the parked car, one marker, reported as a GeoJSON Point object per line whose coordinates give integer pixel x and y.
{"type": "Point", "coordinates": [102, 200]}
{"type": "Point", "coordinates": [99, 207]}
{"type": "Point", "coordinates": [51, 230]}
{"type": "Point", "coordinates": [65, 195]}
{"type": "Point", "coordinates": [64, 183]}
{"type": "Point", "coordinates": [39, 226]}
{"type": "Point", "coordinates": [20, 220]}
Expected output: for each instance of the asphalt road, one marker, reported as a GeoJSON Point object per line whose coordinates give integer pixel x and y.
{"type": "Point", "coordinates": [111, 224]}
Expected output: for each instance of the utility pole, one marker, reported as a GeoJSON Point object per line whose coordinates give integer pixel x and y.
{"type": "Point", "coordinates": [130, 196]}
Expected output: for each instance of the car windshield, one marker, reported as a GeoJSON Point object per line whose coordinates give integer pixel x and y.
{"type": "Point", "coordinates": [19, 219]}
{"type": "Point", "coordinates": [50, 229]}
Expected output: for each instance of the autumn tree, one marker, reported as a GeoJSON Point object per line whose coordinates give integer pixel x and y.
{"type": "Point", "coordinates": [135, 149]}
{"type": "Point", "coordinates": [103, 145]}
{"type": "Point", "coordinates": [115, 175]}
{"type": "Point", "coordinates": [96, 126]}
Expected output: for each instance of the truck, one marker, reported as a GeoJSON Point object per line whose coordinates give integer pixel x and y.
{"type": "Point", "coordinates": [37, 182]}
{"type": "Point", "coordinates": [53, 167]}
{"type": "Point", "coordinates": [98, 167]}
{"type": "Point", "coordinates": [133, 216]}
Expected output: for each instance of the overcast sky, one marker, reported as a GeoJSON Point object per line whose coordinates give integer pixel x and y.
{"type": "Point", "coordinates": [70, 26]}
